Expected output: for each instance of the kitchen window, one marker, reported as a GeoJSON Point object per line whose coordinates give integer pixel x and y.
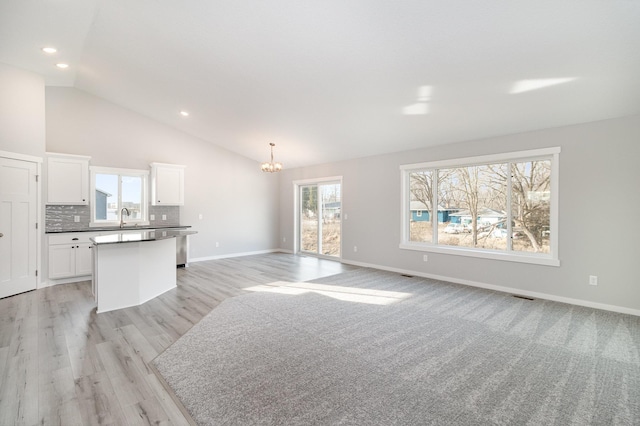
{"type": "Point", "coordinates": [119, 194]}
{"type": "Point", "coordinates": [501, 206]}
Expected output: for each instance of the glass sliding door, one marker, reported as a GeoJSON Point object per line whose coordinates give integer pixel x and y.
{"type": "Point", "coordinates": [309, 218]}
{"type": "Point", "coordinates": [320, 223]}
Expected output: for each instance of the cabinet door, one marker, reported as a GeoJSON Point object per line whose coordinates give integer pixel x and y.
{"type": "Point", "coordinates": [62, 261]}
{"type": "Point", "coordinates": [83, 259]}
{"type": "Point", "coordinates": [67, 181]}
{"type": "Point", "coordinates": [168, 185]}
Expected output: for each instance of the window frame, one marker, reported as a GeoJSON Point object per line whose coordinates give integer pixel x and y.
{"type": "Point", "coordinates": [548, 259]}
{"type": "Point", "coordinates": [144, 202]}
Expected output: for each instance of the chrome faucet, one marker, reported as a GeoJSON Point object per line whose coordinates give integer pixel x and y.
{"type": "Point", "coordinates": [125, 210]}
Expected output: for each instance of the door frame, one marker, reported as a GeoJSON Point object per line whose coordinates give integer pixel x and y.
{"type": "Point", "coordinates": [296, 214]}
{"type": "Point", "coordinates": [39, 213]}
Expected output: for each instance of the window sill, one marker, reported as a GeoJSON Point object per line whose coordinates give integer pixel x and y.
{"type": "Point", "coordinates": [532, 258]}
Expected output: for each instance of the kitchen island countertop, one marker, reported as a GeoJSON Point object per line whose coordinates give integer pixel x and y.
{"type": "Point", "coordinates": [116, 229]}
{"type": "Point", "coordinates": [129, 237]}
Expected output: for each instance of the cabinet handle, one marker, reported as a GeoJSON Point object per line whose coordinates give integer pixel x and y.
{"type": "Point", "coordinates": [83, 199]}
{"type": "Point", "coordinates": [74, 239]}
{"type": "Point", "coordinates": [1, 235]}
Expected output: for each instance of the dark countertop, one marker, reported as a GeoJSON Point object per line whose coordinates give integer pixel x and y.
{"type": "Point", "coordinates": [118, 229]}
{"type": "Point", "coordinates": [133, 237]}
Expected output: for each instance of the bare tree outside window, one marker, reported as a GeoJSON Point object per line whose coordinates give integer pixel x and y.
{"type": "Point", "coordinates": [473, 206]}
{"type": "Point", "coordinates": [530, 204]}
{"type": "Point", "coordinates": [421, 199]}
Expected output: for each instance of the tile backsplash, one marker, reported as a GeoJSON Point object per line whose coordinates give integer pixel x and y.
{"type": "Point", "coordinates": [61, 218]}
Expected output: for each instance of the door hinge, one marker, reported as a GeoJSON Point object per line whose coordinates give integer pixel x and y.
{"type": "Point", "coordinates": [36, 272]}
{"type": "Point", "coordinates": [36, 225]}
{"type": "Point", "coordinates": [36, 178]}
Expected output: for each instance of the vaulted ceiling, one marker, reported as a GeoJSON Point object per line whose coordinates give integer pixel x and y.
{"type": "Point", "coordinates": [334, 79]}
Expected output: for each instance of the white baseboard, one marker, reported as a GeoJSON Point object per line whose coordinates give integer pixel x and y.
{"type": "Point", "coordinates": [229, 255]}
{"type": "Point", "coordinates": [533, 294]}
{"type": "Point", "coordinates": [50, 282]}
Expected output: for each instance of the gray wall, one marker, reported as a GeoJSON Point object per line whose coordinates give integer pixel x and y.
{"type": "Point", "coordinates": [239, 203]}
{"type": "Point", "coordinates": [21, 111]}
{"type": "Point", "coordinates": [599, 203]}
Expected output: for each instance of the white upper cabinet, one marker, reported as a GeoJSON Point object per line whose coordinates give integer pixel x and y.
{"type": "Point", "coordinates": [67, 179]}
{"type": "Point", "coordinates": [167, 184]}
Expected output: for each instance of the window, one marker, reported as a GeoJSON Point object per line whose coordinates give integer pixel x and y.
{"type": "Point", "coordinates": [501, 206]}
{"type": "Point", "coordinates": [113, 190]}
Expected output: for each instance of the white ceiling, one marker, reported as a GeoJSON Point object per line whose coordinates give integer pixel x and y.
{"type": "Point", "coordinates": [331, 79]}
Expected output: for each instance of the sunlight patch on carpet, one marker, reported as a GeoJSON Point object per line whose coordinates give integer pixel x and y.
{"type": "Point", "coordinates": [346, 294]}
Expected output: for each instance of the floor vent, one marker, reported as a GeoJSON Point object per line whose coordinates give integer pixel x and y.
{"type": "Point", "coordinates": [405, 275]}
{"type": "Point", "coordinates": [523, 297]}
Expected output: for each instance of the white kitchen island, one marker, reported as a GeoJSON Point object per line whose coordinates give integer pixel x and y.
{"type": "Point", "coordinates": [132, 268]}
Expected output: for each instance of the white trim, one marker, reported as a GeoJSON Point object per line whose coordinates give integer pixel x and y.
{"type": "Point", "coordinates": [522, 257]}
{"type": "Point", "coordinates": [23, 157]}
{"type": "Point", "coordinates": [503, 289]}
{"type": "Point", "coordinates": [41, 215]}
{"type": "Point", "coordinates": [226, 256]}
{"type": "Point", "coordinates": [470, 161]}
{"type": "Point", "coordinates": [175, 166]}
{"type": "Point", "coordinates": [119, 171]}
{"type": "Point", "coordinates": [52, 282]}
{"type": "Point", "coordinates": [318, 180]}
{"type": "Point", "coordinates": [77, 157]}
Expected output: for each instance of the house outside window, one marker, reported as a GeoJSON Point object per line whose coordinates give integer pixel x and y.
{"type": "Point", "coordinates": [500, 206]}
{"type": "Point", "coordinates": [113, 190]}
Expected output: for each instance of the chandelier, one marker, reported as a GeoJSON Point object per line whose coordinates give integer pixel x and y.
{"type": "Point", "coordinates": [271, 166]}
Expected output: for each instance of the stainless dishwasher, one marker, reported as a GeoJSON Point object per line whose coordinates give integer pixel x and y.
{"type": "Point", "coordinates": [181, 251]}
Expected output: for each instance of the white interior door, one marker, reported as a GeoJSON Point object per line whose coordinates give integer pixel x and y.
{"type": "Point", "coordinates": [18, 238]}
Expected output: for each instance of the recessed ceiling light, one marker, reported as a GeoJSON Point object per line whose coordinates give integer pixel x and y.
{"type": "Point", "coordinates": [184, 113]}
{"type": "Point", "coordinates": [49, 49]}
{"type": "Point", "coordinates": [63, 66]}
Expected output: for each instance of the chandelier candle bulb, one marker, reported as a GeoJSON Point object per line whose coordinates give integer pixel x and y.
{"type": "Point", "coordinates": [271, 166]}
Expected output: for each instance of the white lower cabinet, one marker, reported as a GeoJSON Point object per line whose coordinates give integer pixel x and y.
{"type": "Point", "coordinates": [83, 259]}
{"type": "Point", "coordinates": [70, 255]}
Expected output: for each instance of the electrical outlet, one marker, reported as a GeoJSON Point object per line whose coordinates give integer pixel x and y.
{"type": "Point", "coordinates": [593, 280]}
{"type": "Point", "coordinates": [200, 216]}
{"type": "Point", "coordinates": [284, 239]}
{"type": "Point", "coordinates": [76, 219]}
{"type": "Point", "coordinates": [355, 248]}
{"type": "Point", "coordinates": [345, 216]}
{"type": "Point", "coordinates": [152, 216]}
{"type": "Point", "coordinates": [425, 258]}
{"type": "Point", "coordinates": [217, 244]}
{"type": "Point", "coordinates": [164, 217]}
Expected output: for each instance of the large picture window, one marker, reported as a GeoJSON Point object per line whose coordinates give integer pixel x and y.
{"type": "Point", "coordinates": [500, 206]}
{"type": "Point", "coordinates": [118, 194]}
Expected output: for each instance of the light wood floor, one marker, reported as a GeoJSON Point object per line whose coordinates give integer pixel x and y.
{"type": "Point", "coordinates": [63, 364]}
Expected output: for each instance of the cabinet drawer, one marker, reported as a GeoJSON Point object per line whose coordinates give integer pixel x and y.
{"type": "Point", "coordinates": [72, 238]}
